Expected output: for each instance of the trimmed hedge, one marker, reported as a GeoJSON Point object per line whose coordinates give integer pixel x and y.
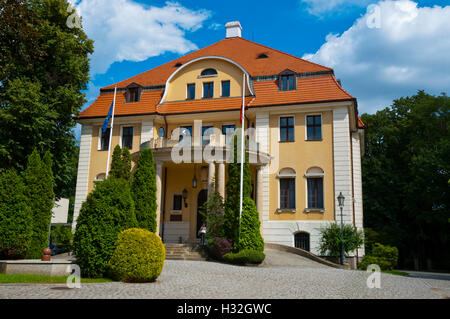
{"type": "Point", "coordinates": [15, 217]}
{"type": "Point", "coordinates": [138, 257]}
{"type": "Point", "coordinates": [108, 210]}
{"type": "Point", "coordinates": [246, 256]}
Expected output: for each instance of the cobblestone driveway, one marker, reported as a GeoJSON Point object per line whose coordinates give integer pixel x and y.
{"type": "Point", "coordinates": [192, 279]}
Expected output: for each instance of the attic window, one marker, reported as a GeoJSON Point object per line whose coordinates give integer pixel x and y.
{"type": "Point", "coordinates": [178, 65]}
{"type": "Point", "coordinates": [209, 72]}
{"type": "Point", "coordinates": [133, 93]}
{"type": "Point", "coordinates": [287, 80]}
{"type": "Point", "coordinates": [262, 56]}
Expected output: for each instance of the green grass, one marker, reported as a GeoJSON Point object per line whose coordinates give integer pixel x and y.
{"type": "Point", "coordinates": [395, 272]}
{"type": "Point", "coordinates": [37, 279]}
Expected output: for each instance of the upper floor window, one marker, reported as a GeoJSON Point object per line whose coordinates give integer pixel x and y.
{"type": "Point", "coordinates": [287, 188]}
{"type": "Point", "coordinates": [208, 72]}
{"type": "Point", "coordinates": [287, 131]}
{"type": "Point", "coordinates": [104, 139]}
{"type": "Point", "coordinates": [314, 127]}
{"type": "Point", "coordinates": [191, 91]}
{"type": "Point", "coordinates": [208, 90]}
{"type": "Point", "coordinates": [314, 177]}
{"type": "Point", "coordinates": [161, 132]}
{"type": "Point", "coordinates": [228, 129]}
{"type": "Point", "coordinates": [225, 88]}
{"type": "Point", "coordinates": [127, 137]}
{"type": "Point", "coordinates": [185, 132]}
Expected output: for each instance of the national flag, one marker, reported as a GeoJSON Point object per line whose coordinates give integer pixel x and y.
{"type": "Point", "coordinates": [108, 117]}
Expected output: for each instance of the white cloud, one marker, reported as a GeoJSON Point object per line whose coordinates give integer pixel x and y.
{"type": "Point", "coordinates": [319, 7]}
{"type": "Point", "coordinates": [407, 53]}
{"type": "Point", "coordinates": [125, 30]}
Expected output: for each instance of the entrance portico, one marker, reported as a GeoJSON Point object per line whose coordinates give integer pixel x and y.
{"type": "Point", "coordinates": [183, 188]}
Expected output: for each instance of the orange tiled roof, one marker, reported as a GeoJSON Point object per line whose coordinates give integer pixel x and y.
{"type": "Point", "coordinates": [241, 51]}
{"type": "Point", "coordinates": [100, 107]}
{"type": "Point", "coordinates": [313, 89]}
{"type": "Point", "coordinates": [208, 105]}
{"type": "Point", "coordinates": [310, 89]}
{"type": "Point", "coordinates": [361, 123]}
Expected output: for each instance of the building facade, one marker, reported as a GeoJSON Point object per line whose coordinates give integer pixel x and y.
{"type": "Point", "coordinates": [307, 134]}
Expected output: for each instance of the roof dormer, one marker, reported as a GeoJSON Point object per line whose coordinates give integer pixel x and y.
{"type": "Point", "coordinates": [133, 93]}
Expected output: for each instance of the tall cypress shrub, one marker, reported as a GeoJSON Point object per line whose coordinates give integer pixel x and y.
{"type": "Point", "coordinates": [39, 191]}
{"type": "Point", "coordinates": [231, 216]}
{"type": "Point", "coordinates": [108, 210]}
{"type": "Point", "coordinates": [121, 163]}
{"type": "Point", "coordinates": [15, 217]}
{"type": "Point", "coordinates": [143, 190]}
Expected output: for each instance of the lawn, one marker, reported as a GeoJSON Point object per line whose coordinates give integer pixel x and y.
{"type": "Point", "coordinates": [37, 279]}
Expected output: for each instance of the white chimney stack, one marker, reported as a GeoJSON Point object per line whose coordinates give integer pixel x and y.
{"type": "Point", "coordinates": [234, 29]}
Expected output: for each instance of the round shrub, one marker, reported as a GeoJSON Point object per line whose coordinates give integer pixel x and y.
{"type": "Point", "coordinates": [108, 210]}
{"type": "Point", "coordinates": [138, 257]}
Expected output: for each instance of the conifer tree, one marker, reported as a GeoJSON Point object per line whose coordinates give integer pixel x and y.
{"type": "Point", "coordinates": [121, 163]}
{"type": "Point", "coordinates": [143, 190]}
{"type": "Point", "coordinates": [39, 191]}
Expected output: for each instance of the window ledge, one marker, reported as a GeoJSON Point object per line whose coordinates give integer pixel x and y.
{"type": "Point", "coordinates": [319, 140]}
{"type": "Point", "coordinates": [314, 210]}
{"type": "Point", "coordinates": [176, 211]}
{"type": "Point", "coordinates": [208, 76]}
{"type": "Point", "coordinates": [286, 141]}
{"type": "Point", "coordinates": [286, 210]}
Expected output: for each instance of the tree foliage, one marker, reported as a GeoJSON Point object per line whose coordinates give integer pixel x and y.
{"type": "Point", "coordinates": [38, 178]}
{"type": "Point", "coordinates": [108, 210]}
{"type": "Point", "coordinates": [121, 163]}
{"type": "Point", "coordinates": [143, 189]}
{"type": "Point", "coordinates": [332, 239]}
{"type": "Point", "coordinates": [406, 175]}
{"type": "Point", "coordinates": [15, 217]}
{"type": "Point", "coordinates": [44, 66]}
{"type": "Point", "coordinates": [213, 211]}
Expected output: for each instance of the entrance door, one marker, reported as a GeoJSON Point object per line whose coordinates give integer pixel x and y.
{"type": "Point", "coordinates": [202, 198]}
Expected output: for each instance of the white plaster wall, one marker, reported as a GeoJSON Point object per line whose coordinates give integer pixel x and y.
{"type": "Point", "coordinates": [357, 178]}
{"type": "Point", "coordinates": [83, 171]}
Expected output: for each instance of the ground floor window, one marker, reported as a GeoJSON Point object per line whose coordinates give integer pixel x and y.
{"type": "Point", "coordinates": [301, 240]}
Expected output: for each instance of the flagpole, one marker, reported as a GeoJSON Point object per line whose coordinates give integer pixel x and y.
{"type": "Point", "coordinates": [242, 154]}
{"type": "Point", "coordinates": [110, 133]}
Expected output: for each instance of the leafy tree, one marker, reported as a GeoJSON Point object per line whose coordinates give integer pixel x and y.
{"type": "Point", "coordinates": [108, 210]}
{"type": "Point", "coordinates": [121, 163]}
{"type": "Point", "coordinates": [62, 237]}
{"type": "Point", "coordinates": [39, 192]}
{"type": "Point", "coordinates": [44, 66]}
{"type": "Point", "coordinates": [332, 239]}
{"type": "Point", "coordinates": [405, 178]}
{"type": "Point", "coordinates": [143, 189]}
{"type": "Point", "coordinates": [213, 211]}
{"type": "Point", "coordinates": [15, 216]}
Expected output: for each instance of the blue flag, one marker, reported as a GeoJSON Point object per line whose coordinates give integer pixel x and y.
{"type": "Point", "coordinates": [108, 117]}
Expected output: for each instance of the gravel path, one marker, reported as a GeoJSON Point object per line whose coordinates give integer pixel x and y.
{"type": "Point", "coordinates": [283, 276]}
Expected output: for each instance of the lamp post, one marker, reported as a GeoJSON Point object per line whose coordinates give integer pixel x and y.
{"type": "Point", "coordinates": [341, 199]}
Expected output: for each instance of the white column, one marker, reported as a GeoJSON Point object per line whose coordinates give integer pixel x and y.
{"type": "Point", "coordinates": [81, 191]}
{"type": "Point", "coordinates": [146, 131]}
{"type": "Point", "coordinates": [158, 197]}
{"type": "Point", "coordinates": [221, 180]}
{"type": "Point", "coordinates": [211, 178]}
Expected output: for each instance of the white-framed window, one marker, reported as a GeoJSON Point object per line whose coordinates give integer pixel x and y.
{"type": "Point", "coordinates": [313, 127]}
{"type": "Point", "coordinates": [103, 139]}
{"type": "Point", "coordinates": [287, 128]}
{"type": "Point", "coordinates": [315, 188]}
{"type": "Point", "coordinates": [286, 185]}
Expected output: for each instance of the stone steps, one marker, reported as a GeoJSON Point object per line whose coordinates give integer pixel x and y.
{"type": "Point", "coordinates": [184, 252]}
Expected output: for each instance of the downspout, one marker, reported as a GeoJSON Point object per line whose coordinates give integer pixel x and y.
{"type": "Point", "coordinates": [164, 203]}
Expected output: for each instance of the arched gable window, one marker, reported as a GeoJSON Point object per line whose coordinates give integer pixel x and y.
{"type": "Point", "coordinates": [208, 72]}
{"type": "Point", "coordinates": [314, 180]}
{"type": "Point", "coordinates": [287, 188]}
{"type": "Point", "coordinates": [302, 241]}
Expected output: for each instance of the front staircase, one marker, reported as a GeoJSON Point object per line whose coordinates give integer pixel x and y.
{"type": "Point", "coordinates": [184, 252]}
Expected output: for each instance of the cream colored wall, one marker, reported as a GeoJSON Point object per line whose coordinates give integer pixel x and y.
{"type": "Point", "coordinates": [302, 155]}
{"type": "Point", "coordinates": [177, 90]}
{"type": "Point", "coordinates": [98, 158]}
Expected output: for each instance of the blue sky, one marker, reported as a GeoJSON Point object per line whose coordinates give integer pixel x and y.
{"type": "Point", "coordinates": [407, 49]}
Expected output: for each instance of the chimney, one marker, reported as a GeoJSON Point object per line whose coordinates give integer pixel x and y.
{"type": "Point", "coordinates": [234, 29]}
